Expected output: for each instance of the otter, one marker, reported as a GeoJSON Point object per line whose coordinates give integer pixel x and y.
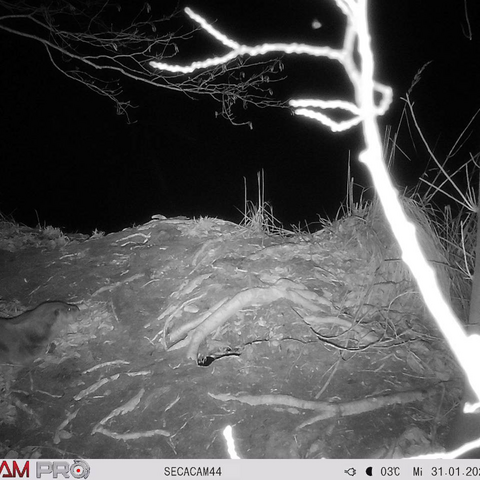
{"type": "Point", "coordinates": [25, 337]}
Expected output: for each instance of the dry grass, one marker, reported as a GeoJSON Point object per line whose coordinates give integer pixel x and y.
{"type": "Point", "coordinates": [16, 236]}
{"type": "Point", "coordinates": [258, 217]}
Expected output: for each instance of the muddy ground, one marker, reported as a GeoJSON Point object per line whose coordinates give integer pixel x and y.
{"type": "Point", "coordinates": [308, 345]}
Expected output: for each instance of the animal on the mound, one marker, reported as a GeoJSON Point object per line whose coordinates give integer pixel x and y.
{"type": "Point", "coordinates": [26, 337]}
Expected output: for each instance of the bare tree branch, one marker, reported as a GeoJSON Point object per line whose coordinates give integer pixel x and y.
{"type": "Point", "coordinates": [92, 42]}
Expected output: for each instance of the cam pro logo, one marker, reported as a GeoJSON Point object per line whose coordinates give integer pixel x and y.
{"type": "Point", "coordinates": [78, 469]}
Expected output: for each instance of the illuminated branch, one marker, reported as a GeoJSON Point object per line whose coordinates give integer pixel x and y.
{"type": "Point", "coordinates": [83, 44]}
{"type": "Point", "coordinates": [364, 111]}
{"type": "Point", "coordinates": [343, 56]}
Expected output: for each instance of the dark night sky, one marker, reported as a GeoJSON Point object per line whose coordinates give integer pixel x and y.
{"type": "Point", "coordinates": [66, 155]}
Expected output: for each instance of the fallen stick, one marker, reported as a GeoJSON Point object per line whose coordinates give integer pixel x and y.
{"type": "Point", "coordinates": [328, 409]}
{"type": "Point", "coordinates": [257, 296]}
{"type": "Point", "coordinates": [284, 288]}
